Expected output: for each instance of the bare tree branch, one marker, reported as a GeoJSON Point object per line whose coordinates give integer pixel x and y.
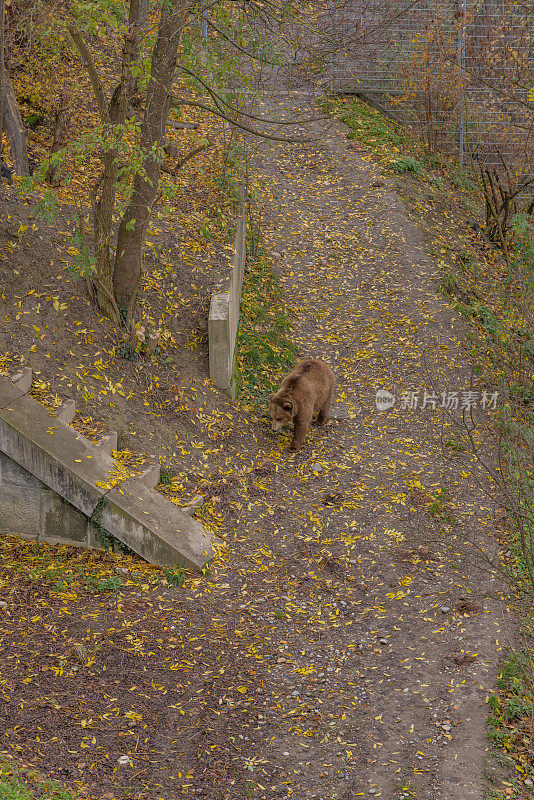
{"type": "Point", "coordinates": [89, 64]}
{"type": "Point", "coordinates": [260, 134]}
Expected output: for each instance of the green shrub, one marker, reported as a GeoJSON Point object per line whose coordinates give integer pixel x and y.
{"type": "Point", "coordinates": [407, 165]}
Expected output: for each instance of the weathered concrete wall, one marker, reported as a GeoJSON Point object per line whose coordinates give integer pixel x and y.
{"type": "Point", "coordinates": [28, 508]}
{"type": "Point", "coordinates": [57, 486]}
{"type": "Point", "coordinates": [224, 316]}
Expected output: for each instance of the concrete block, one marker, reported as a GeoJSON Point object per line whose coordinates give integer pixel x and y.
{"type": "Point", "coordinates": [20, 509]}
{"type": "Point", "coordinates": [156, 529]}
{"type": "Point", "coordinates": [9, 393]}
{"type": "Point", "coordinates": [67, 412]}
{"type": "Point", "coordinates": [193, 504]}
{"type": "Point", "coordinates": [46, 451]}
{"type": "Point", "coordinates": [107, 443]}
{"type": "Point", "coordinates": [23, 379]}
{"type": "Point", "coordinates": [61, 522]}
{"type": "Point", "coordinates": [223, 320]}
{"type": "Point", "coordinates": [151, 476]}
{"type": "Point", "coordinates": [219, 339]}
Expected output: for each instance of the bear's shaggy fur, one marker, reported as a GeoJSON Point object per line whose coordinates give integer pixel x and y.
{"type": "Point", "coordinates": [307, 389]}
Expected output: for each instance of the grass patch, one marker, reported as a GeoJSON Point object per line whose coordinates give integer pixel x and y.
{"type": "Point", "coordinates": [19, 783]}
{"type": "Point", "coordinates": [68, 569]}
{"type": "Point", "coordinates": [265, 351]}
{"type": "Point", "coordinates": [368, 126]}
{"type": "Point", "coordinates": [407, 164]}
{"type": "Point", "coordinates": [510, 724]}
{"type": "Point", "coordinates": [176, 575]}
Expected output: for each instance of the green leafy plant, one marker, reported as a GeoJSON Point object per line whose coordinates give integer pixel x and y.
{"type": "Point", "coordinates": [368, 125]}
{"type": "Point", "coordinates": [19, 783]}
{"type": "Point", "coordinates": [407, 164]}
{"type": "Point", "coordinates": [265, 350]}
{"type": "Point", "coordinates": [176, 575]}
{"type": "Point", "coordinates": [110, 584]}
{"type": "Point", "coordinates": [166, 477]}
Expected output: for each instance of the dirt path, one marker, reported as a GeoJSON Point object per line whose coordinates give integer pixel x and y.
{"type": "Point", "coordinates": [380, 678]}
{"type": "Point", "coordinates": [343, 645]}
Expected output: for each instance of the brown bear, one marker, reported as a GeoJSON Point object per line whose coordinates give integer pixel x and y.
{"type": "Point", "coordinates": [308, 388]}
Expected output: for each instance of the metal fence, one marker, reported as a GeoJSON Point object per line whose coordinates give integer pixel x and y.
{"type": "Point", "coordinates": [462, 71]}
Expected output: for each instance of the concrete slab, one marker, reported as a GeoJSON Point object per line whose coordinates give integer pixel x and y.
{"type": "Point", "coordinates": [54, 453]}
{"type": "Point", "coordinates": [54, 480]}
{"type": "Point", "coordinates": [12, 474]}
{"type": "Point", "coordinates": [107, 443]}
{"type": "Point", "coordinates": [156, 529]}
{"type": "Point", "coordinates": [9, 393]}
{"type": "Point", "coordinates": [60, 521]}
{"type": "Point", "coordinates": [23, 379]}
{"type": "Point", "coordinates": [151, 476]}
{"type": "Point", "coordinates": [67, 412]}
{"type": "Point", "coordinates": [19, 509]}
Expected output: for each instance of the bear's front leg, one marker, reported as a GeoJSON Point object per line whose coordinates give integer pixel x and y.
{"type": "Point", "coordinates": [299, 433]}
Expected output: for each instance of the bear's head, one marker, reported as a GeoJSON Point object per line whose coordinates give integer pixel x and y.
{"type": "Point", "coordinates": [282, 411]}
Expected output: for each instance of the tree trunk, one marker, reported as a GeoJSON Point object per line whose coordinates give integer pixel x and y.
{"type": "Point", "coordinates": [60, 129]}
{"type": "Point", "coordinates": [143, 7]}
{"type": "Point", "coordinates": [132, 229]}
{"type": "Point", "coordinates": [14, 127]}
{"type": "Point", "coordinates": [104, 191]}
{"type": "Point", "coordinates": [104, 206]}
{"type": "Point", "coordinates": [2, 71]}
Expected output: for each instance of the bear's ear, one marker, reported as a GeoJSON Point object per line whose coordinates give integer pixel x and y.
{"type": "Point", "coordinates": [271, 397]}
{"type": "Point", "coordinates": [287, 405]}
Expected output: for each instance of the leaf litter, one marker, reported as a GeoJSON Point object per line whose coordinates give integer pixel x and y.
{"type": "Point", "coordinates": [312, 660]}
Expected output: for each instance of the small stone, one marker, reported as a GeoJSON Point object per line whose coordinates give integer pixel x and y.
{"type": "Point", "coordinates": [316, 467]}
{"type": "Point", "coordinates": [124, 760]}
{"type": "Point", "coordinates": [3, 604]}
{"type": "Point", "coordinates": [341, 412]}
{"type": "Point", "coordinates": [383, 641]}
{"type": "Point", "coordinates": [444, 609]}
{"type": "Point", "coordinates": [528, 782]}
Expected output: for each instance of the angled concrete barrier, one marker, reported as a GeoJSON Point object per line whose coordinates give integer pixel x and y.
{"type": "Point", "coordinates": [223, 319]}
{"type": "Point", "coordinates": [56, 486]}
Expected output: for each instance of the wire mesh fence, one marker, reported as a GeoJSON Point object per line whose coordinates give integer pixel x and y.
{"type": "Point", "coordinates": [462, 71]}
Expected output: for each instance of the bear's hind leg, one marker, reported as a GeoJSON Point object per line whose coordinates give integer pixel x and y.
{"type": "Point", "coordinates": [324, 412]}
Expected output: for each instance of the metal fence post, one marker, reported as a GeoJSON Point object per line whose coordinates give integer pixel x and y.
{"type": "Point", "coordinates": [331, 56]}
{"type": "Point", "coordinates": [461, 75]}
